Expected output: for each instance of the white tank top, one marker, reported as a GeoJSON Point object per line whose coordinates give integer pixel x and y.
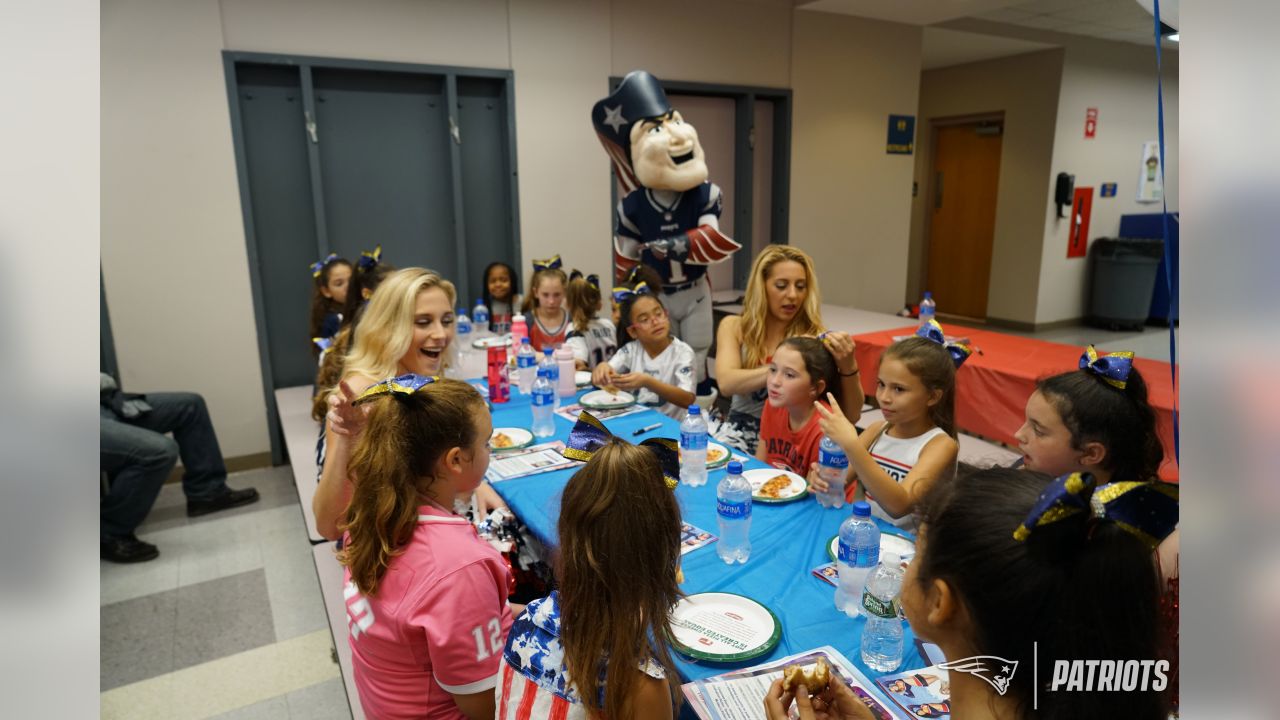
{"type": "Point", "coordinates": [896, 456]}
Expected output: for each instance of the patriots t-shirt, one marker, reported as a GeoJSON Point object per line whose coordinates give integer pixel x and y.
{"type": "Point", "coordinates": [641, 217]}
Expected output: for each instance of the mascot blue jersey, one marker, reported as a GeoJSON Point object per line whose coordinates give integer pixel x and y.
{"type": "Point", "coordinates": [642, 218]}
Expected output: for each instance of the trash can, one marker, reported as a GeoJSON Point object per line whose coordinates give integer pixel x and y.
{"type": "Point", "coordinates": [1123, 279]}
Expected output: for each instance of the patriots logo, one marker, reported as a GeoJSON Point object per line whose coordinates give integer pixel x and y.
{"type": "Point", "coordinates": [997, 671]}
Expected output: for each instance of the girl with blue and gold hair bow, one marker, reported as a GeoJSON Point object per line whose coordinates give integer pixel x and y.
{"type": "Point", "coordinates": [412, 562]}
{"type": "Point", "coordinates": [899, 458]}
{"type": "Point", "coordinates": [1096, 419]}
{"type": "Point", "coordinates": [332, 276]}
{"type": "Point", "coordinates": [544, 307]}
{"type": "Point", "coordinates": [592, 338]}
{"type": "Point", "coordinates": [1083, 587]}
{"type": "Point", "coordinates": [600, 641]}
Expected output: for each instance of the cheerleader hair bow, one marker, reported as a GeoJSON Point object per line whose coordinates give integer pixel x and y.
{"type": "Point", "coordinates": [959, 352]}
{"type": "Point", "coordinates": [593, 279]}
{"type": "Point", "coordinates": [551, 263]}
{"type": "Point", "coordinates": [589, 435]}
{"type": "Point", "coordinates": [401, 385]}
{"type": "Point", "coordinates": [1146, 510]}
{"type": "Point", "coordinates": [1113, 368]}
{"type": "Point", "coordinates": [318, 266]}
{"type": "Point", "coordinates": [622, 294]}
{"type": "Point", "coordinates": [324, 343]}
{"type": "Point", "coordinates": [369, 260]}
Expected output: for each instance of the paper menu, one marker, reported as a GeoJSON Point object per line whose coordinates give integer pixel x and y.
{"type": "Point", "coordinates": [739, 695]}
{"type": "Point", "coordinates": [919, 693]}
{"type": "Point", "coordinates": [529, 461]}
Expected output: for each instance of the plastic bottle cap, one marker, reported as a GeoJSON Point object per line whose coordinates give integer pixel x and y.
{"type": "Point", "coordinates": [735, 467]}
{"type": "Point", "coordinates": [546, 351]}
{"type": "Point", "coordinates": [524, 341]}
{"type": "Point", "coordinates": [928, 294]}
{"type": "Point", "coordinates": [862, 508]}
{"type": "Point", "coordinates": [695, 410]}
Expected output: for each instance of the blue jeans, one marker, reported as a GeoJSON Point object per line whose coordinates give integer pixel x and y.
{"type": "Point", "coordinates": [137, 457]}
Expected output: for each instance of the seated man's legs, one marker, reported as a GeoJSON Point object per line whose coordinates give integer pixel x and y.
{"type": "Point", "coordinates": [137, 460]}
{"type": "Point", "coordinates": [204, 480]}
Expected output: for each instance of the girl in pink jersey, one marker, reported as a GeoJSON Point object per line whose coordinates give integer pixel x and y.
{"type": "Point", "coordinates": [426, 598]}
{"type": "Point", "coordinates": [898, 459]}
{"type": "Point", "coordinates": [597, 647]}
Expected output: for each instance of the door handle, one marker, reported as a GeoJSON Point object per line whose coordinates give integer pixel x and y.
{"type": "Point", "coordinates": [937, 193]}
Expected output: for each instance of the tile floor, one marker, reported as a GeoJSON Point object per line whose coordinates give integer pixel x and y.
{"type": "Point", "coordinates": [228, 622]}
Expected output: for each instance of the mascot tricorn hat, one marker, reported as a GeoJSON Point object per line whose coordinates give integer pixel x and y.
{"type": "Point", "coordinates": [638, 97]}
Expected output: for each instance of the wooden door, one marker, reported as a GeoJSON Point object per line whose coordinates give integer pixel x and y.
{"type": "Point", "coordinates": [966, 174]}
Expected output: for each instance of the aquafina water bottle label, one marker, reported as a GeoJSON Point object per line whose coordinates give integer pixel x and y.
{"type": "Point", "coordinates": [543, 398]}
{"type": "Point", "coordinates": [848, 554]}
{"type": "Point", "coordinates": [826, 458]}
{"type": "Point", "coordinates": [733, 510]}
{"type": "Point", "coordinates": [693, 441]}
{"type": "Point", "coordinates": [526, 361]}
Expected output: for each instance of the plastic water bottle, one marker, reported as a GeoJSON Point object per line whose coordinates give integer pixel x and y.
{"type": "Point", "coordinates": [928, 308]}
{"type": "Point", "coordinates": [882, 636]}
{"type": "Point", "coordinates": [693, 448]}
{"type": "Point", "coordinates": [859, 553]}
{"type": "Point", "coordinates": [553, 371]}
{"type": "Point", "coordinates": [566, 387]}
{"type": "Point", "coordinates": [833, 466]}
{"type": "Point", "coordinates": [544, 406]}
{"type": "Point", "coordinates": [463, 329]}
{"type": "Point", "coordinates": [526, 366]}
{"type": "Point", "coordinates": [480, 314]}
{"type": "Point", "coordinates": [733, 513]}
{"type": "Point", "coordinates": [519, 329]}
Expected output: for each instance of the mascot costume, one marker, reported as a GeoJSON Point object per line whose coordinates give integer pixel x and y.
{"type": "Point", "coordinates": [669, 216]}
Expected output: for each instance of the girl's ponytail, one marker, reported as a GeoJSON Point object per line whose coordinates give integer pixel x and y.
{"type": "Point", "coordinates": [394, 463]}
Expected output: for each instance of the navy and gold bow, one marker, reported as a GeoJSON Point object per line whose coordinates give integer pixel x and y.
{"type": "Point", "coordinates": [1147, 510]}
{"type": "Point", "coordinates": [551, 263]}
{"type": "Point", "coordinates": [1113, 368]}
{"type": "Point", "coordinates": [958, 351]}
{"type": "Point", "coordinates": [406, 384]}
{"type": "Point", "coordinates": [589, 435]}
{"type": "Point", "coordinates": [369, 260]}
{"type": "Point", "coordinates": [622, 294]}
{"type": "Point", "coordinates": [593, 279]}
{"type": "Point", "coordinates": [324, 343]}
{"type": "Point", "coordinates": [318, 266]}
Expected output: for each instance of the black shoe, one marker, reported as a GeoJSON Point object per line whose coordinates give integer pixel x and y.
{"type": "Point", "coordinates": [228, 499]}
{"type": "Point", "coordinates": [128, 550]}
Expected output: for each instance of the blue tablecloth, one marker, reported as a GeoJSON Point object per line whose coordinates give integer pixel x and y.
{"type": "Point", "coordinates": [787, 542]}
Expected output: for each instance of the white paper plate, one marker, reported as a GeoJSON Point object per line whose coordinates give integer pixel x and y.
{"type": "Point", "coordinates": [758, 477]}
{"type": "Point", "coordinates": [519, 437]}
{"type": "Point", "coordinates": [491, 341]}
{"type": "Point", "coordinates": [605, 400]}
{"type": "Point", "coordinates": [717, 455]}
{"type": "Point", "coordinates": [582, 378]}
{"type": "Point", "coordinates": [895, 544]}
{"type": "Point", "coordinates": [723, 627]}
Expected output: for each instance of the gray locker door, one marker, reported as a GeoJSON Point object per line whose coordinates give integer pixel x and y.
{"type": "Point", "coordinates": [385, 167]}
{"type": "Point", "coordinates": [487, 179]}
{"type": "Point", "coordinates": [271, 111]}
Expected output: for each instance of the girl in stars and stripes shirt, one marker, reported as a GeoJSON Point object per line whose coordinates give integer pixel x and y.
{"type": "Point", "coordinates": [585, 650]}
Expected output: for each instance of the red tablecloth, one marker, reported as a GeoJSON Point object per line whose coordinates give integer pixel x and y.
{"type": "Point", "coordinates": [992, 388]}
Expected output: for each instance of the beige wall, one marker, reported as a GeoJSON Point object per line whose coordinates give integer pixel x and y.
{"type": "Point", "coordinates": [1025, 88]}
{"type": "Point", "coordinates": [173, 246]}
{"type": "Point", "coordinates": [1119, 80]}
{"type": "Point", "coordinates": [173, 251]}
{"type": "Point", "coordinates": [850, 200]}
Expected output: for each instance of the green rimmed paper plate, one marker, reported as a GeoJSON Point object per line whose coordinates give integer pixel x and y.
{"type": "Point", "coordinates": [723, 627]}
{"type": "Point", "coordinates": [797, 489]}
